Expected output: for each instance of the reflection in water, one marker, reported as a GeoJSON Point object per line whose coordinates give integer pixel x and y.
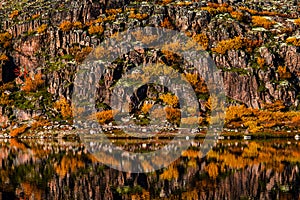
{"type": "Point", "coordinates": [33, 169]}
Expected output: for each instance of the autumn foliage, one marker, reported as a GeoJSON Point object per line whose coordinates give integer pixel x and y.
{"type": "Point", "coordinates": [226, 45]}
{"type": "Point", "coordinates": [202, 40]}
{"type": "Point", "coordinates": [13, 14]}
{"type": "Point", "coordinates": [66, 26]}
{"type": "Point", "coordinates": [5, 39]}
{"type": "Point", "coordinates": [294, 41]}
{"type": "Point", "coordinates": [18, 131]}
{"type": "Point", "coordinates": [95, 29]}
{"type": "Point", "coordinates": [262, 21]}
{"type": "Point", "coordinates": [255, 120]}
{"type": "Point", "coordinates": [283, 73]}
{"type": "Point", "coordinates": [31, 84]}
{"type": "Point", "coordinates": [42, 28]}
{"type": "Point", "coordinates": [104, 117]}
{"type": "Point", "coordinates": [169, 99]}
{"type": "Point", "coordinates": [138, 16]}
{"type": "Point", "coordinates": [167, 24]}
{"type": "Point", "coordinates": [297, 22]}
{"type": "Point", "coordinates": [64, 107]}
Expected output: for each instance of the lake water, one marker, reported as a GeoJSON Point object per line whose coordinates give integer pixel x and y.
{"type": "Point", "coordinates": [234, 169]}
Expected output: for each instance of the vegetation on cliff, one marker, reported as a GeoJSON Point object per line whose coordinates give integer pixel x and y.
{"type": "Point", "coordinates": [255, 46]}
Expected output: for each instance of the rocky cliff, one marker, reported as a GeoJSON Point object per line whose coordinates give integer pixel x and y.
{"type": "Point", "coordinates": [254, 44]}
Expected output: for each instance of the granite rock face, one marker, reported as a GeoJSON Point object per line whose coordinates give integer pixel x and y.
{"type": "Point", "coordinates": [245, 80]}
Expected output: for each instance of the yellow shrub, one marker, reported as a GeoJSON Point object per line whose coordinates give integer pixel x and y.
{"type": "Point", "coordinates": [5, 37]}
{"type": "Point", "coordinates": [202, 40]}
{"type": "Point", "coordinates": [18, 131]}
{"type": "Point", "coordinates": [32, 84]}
{"type": "Point", "coordinates": [294, 41]}
{"type": "Point", "coordinates": [212, 11]}
{"type": "Point", "coordinates": [167, 24]}
{"type": "Point", "coordinates": [66, 26]}
{"type": "Point", "coordinates": [40, 123]}
{"type": "Point", "coordinates": [192, 120]}
{"type": "Point", "coordinates": [110, 18]}
{"type": "Point", "coordinates": [173, 115]}
{"type": "Point", "coordinates": [105, 117]}
{"type": "Point", "coordinates": [77, 25]}
{"type": "Point", "coordinates": [35, 16]}
{"type": "Point", "coordinates": [197, 83]}
{"type": "Point", "coordinates": [13, 14]}
{"type": "Point", "coordinates": [212, 170]}
{"type": "Point", "coordinates": [165, 2]}
{"type": "Point", "coordinates": [143, 38]}
{"type": "Point", "coordinates": [42, 28]}
{"type": "Point", "coordinates": [184, 3]}
{"type": "Point", "coordinates": [146, 107]}
{"type": "Point", "coordinates": [96, 30]}
{"type": "Point", "coordinates": [297, 22]}
{"type": "Point", "coordinates": [262, 21]}
{"type": "Point", "coordinates": [225, 45]}
{"type": "Point", "coordinates": [138, 16]}
{"type": "Point", "coordinates": [4, 57]}
{"type": "Point", "coordinates": [261, 62]}
{"type": "Point", "coordinates": [283, 73]}
{"type": "Point", "coordinates": [271, 13]}
{"type": "Point", "coordinates": [237, 15]}
{"type": "Point", "coordinates": [276, 106]}
{"type": "Point", "coordinates": [81, 55]}
{"type": "Point", "coordinates": [170, 173]}
{"type": "Point", "coordinates": [4, 100]}
{"type": "Point", "coordinates": [169, 99]}
{"type": "Point", "coordinates": [214, 8]}
{"type": "Point", "coordinates": [64, 107]}
{"type": "Point", "coordinates": [113, 11]}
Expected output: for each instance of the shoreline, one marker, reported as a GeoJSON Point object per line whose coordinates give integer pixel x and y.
{"type": "Point", "coordinates": [119, 134]}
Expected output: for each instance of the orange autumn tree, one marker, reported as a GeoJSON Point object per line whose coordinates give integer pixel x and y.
{"type": "Point", "coordinates": [226, 45]}
{"type": "Point", "coordinates": [66, 26]}
{"type": "Point", "coordinates": [31, 84]}
{"type": "Point", "coordinates": [262, 21]}
{"type": "Point", "coordinates": [173, 114]}
{"type": "Point", "coordinates": [64, 107]}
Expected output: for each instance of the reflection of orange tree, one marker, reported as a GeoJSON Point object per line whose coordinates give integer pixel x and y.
{"type": "Point", "coordinates": [170, 173]}
{"type": "Point", "coordinates": [31, 191]}
{"type": "Point", "coordinates": [68, 164]}
{"type": "Point", "coordinates": [145, 195]}
{"type": "Point", "coordinates": [106, 158]}
{"type": "Point", "coordinates": [212, 170]}
{"type": "Point", "coordinates": [253, 153]}
{"type": "Point", "coordinates": [17, 144]}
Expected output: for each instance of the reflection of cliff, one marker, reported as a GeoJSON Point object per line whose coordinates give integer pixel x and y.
{"type": "Point", "coordinates": [64, 171]}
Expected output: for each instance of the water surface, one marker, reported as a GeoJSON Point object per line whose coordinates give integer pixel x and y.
{"type": "Point", "coordinates": [234, 169]}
